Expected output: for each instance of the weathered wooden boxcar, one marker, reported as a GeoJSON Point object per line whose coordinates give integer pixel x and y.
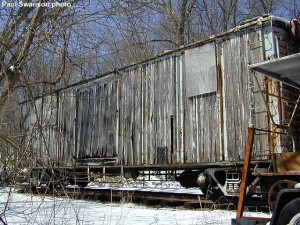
{"type": "Point", "coordinates": [187, 109]}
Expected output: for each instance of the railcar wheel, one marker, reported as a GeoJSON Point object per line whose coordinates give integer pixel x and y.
{"type": "Point", "coordinates": [275, 188]}
{"type": "Point", "coordinates": [290, 214]}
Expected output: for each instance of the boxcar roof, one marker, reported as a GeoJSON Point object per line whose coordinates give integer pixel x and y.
{"type": "Point", "coordinates": [285, 69]}
{"type": "Point", "coordinates": [257, 21]}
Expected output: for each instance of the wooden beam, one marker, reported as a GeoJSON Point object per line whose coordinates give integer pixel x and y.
{"type": "Point", "coordinates": [243, 187]}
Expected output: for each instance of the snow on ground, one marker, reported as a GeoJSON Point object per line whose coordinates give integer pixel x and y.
{"type": "Point", "coordinates": [152, 180]}
{"type": "Point", "coordinates": [154, 183]}
{"type": "Point", "coordinates": [28, 209]}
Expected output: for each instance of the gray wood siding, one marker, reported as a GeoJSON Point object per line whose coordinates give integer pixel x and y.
{"type": "Point", "coordinates": [147, 104]}
{"type": "Point", "coordinates": [143, 115]}
{"type": "Point", "coordinates": [39, 123]}
{"type": "Point", "coordinates": [131, 116]}
{"type": "Point", "coordinates": [95, 127]}
{"type": "Point", "coordinates": [202, 129]}
{"type": "Point", "coordinates": [66, 129]}
{"type": "Point", "coordinates": [240, 95]}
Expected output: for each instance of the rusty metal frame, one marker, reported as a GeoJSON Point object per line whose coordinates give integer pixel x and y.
{"type": "Point", "coordinates": [288, 127]}
{"type": "Point", "coordinates": [245, 174]}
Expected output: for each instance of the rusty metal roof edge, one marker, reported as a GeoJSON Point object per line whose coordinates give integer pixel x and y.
{"type": "Point", "coordinates": [296, 55]}
{"type": "Point", "coordinates": [249, 23]}
{"type": "Point", "coordinates": [258, 67]}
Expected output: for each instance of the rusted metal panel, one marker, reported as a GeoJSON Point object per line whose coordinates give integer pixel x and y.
{"type": "Point", "coordinates": [245, 174]}
{"type": "Point", "coordinates": [291, 117]}
{"type": "Point", "coordinates": [287, 161]}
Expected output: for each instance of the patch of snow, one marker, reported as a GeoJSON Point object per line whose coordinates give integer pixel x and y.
{"type": "Point", "coordinates": [28, 209]}
{"type": "Point", "coordinates": [165, 190]}
{"type": "Point", "coordinates": [152, 182]}
{"type": "Point", "coordinates": [297, 185]}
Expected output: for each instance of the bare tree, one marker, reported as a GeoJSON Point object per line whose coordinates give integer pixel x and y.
{"type": "Point", "coordinates": [44, 48]}
{"type": "Point", "coordinates": [290, 8]}
{"type": "Point", "coordinates": [24, 32]}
